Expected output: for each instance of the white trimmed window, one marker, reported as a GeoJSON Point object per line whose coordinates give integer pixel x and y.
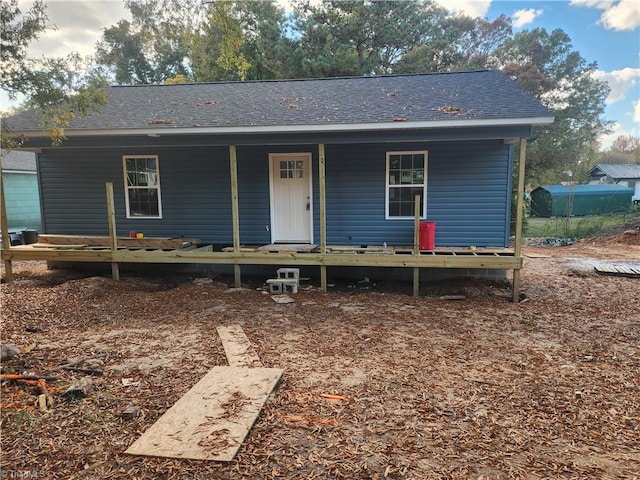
{"type": "Point", "coordinates": [142, 186]}
{"type": "Point", "coordinates": [406, 178]}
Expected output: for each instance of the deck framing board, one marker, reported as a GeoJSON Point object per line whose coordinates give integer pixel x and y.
{"type": "Point", "coordinates": [444, 259]}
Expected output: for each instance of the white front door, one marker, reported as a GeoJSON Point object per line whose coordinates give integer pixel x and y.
{"type": "Point", "coordinates": [291, 207]}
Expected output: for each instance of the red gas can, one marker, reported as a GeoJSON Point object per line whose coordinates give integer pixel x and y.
{"type": "Point", "coordinates": [427, 238]}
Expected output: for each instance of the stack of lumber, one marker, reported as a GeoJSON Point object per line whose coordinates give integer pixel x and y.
{"type": "Point", "coordinates": [84, 241]}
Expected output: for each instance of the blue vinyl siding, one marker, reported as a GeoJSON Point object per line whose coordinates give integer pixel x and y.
{"type": "Point", "coordinates": [22, 200]}
{"type": "Point", "coordinates": [468, 192]}
{"type": "Point", "coordinates": [194, 184]}
{"type": "Point", "coordinates": [253, 195]}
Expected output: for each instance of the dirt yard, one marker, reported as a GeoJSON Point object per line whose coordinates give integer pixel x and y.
{"type": "Point", "coordinates": [433, 388]}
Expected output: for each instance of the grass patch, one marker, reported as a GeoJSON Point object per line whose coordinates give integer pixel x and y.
{"type": "Point", "coordinates": [572, 227]}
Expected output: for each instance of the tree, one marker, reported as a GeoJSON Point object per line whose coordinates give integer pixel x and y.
{"type": "Point", "coordinates": [358, 37]}
{"type": "Point", "coordinates": [217, 48]}
{"type": "Point", "coordinates": [198, 41]}
{"type": "Point", "coordinates": [122, 47]}
{"type": "Point", "coordinates": [266, 47]}
{"type": "Point", "coordinates": [153, 46]}
{"type": "Point", "coordinates": [624, 149]}
{"type": "Point", "coordinates": [546, 65]}
{"type": "Point", "coordinates": [60, 88]}
{"type": "Point", "coordinates": [455, 43]}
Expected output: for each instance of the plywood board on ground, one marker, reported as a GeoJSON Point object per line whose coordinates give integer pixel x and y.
{"type": "Point", "coordinates": [211, 420]}
{"type": "Point", "coordinates": [237, 347]}
{"type": "Point", "coordinates": [619, 270]}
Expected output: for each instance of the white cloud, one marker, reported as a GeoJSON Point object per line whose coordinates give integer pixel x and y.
{"type": "Point", "coordinates": [623, 16]}
{"type": "Point", "coordinates": [620, 81]}
{"type": "Point", "coordinates": [601, 4]}
{"type": "Point", "coordinates": [617, 15]}
{"type": "Point", "coordinates": [525, 16]}
{"type": "Point", "coordinates": [473, 8]}
{"type": "Point", "coordinates": [636, 113]}
{"type": "Point", "coordinates": [76, 25]}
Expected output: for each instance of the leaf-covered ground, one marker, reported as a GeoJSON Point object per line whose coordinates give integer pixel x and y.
{"type": "Point", "coordinates": [474, 388]}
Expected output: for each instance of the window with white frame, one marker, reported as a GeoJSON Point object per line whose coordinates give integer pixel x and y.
{"type": "Point", "coordinates": [142, 186]}
{"type": "Point", "coordinates": [406, 178]}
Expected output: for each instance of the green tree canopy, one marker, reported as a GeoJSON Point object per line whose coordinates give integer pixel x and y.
{"type": "Point", "coordinates": [198, 41]}
{"type": "Point", "coordinates": [455, 43]}
{"type": "Point", "coordinates": [154, 45]}
{"type": "Point", "coordinates": [624, 149]}
{"type": "Point", "coordinates": [217, 47]}
{"type": "Point", "coordinates": [546, 65]}
{"type": "Point", "coordinates": [59, 87]}
{"type": "Point", "coordinates": [355, 37]}
{"type": "Point", "coordinates": [267, 46]}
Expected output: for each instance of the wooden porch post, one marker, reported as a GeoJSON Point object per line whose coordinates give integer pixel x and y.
{"type": "Point", "coordinates": [233, 171]}
{"type": "Point", "coordinates": [416, 244]}
{"type": "Point", "coordinates": [323, 213]}
{"type": "Point", "coordinates": [113, 237]}
{"type": "Point", "coordinates": [519, 217]}
{"type": "Point", "coordinates": [4, 225]}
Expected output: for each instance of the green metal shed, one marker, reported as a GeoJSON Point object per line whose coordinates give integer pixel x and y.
{"type": "Point", "coordinates": [562, 200]}
{"type": "Point", "coordinates": [20, 182]}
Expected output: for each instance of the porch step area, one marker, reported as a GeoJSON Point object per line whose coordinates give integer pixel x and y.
{"type": "Point", "coordinates": [289, 247]}
{"type": "Point", "coordinates": [288, 281]}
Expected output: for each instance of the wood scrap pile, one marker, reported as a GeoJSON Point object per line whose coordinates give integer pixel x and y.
{"type": "Point", "coordinates": [43, 391]}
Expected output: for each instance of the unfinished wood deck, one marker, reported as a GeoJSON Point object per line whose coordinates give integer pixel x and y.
{"type": "Point", "coordinates": [146, 251]}
{"type": "Point", "coordinates": [334, 256]}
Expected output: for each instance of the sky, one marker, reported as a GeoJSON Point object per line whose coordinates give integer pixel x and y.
{"type": "Point", "coordinates": [606, 32]}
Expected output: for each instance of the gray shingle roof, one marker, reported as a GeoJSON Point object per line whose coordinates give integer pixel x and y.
{"type": "Point", "coordinates": [439, 99]}
{"type": "Point", "coordinates": [617, 171]}
{"type": "Point", "coordinates": [18, 161]}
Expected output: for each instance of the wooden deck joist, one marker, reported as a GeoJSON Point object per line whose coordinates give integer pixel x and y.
{"type": "Point", "coordinates": [439, 258]}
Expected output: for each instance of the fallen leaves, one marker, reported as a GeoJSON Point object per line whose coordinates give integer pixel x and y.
{"type": "Point", "coordinates": [450, 109]}
{"type": "Point", "coordinates": [375, 383]}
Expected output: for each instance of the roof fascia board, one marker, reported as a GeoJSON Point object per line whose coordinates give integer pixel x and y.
{"type": "Point", "coordinates": [351, 127]}
{"type": "Point", "coordinates": [379, 136]}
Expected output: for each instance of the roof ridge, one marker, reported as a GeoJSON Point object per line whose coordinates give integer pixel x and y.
{"type": "Point", "coordinates": [306, 79]}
